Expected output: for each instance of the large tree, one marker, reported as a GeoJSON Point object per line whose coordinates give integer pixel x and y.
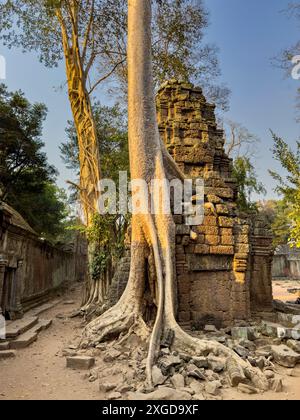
{"type": "Point", "coordinates": [153, 235]}
{"type": "Point", "coordinates": [90, 35]}
{"type": "Point", "coordinates": [106, 231]}
{"type": "Point", "coordinates": [27, 181]}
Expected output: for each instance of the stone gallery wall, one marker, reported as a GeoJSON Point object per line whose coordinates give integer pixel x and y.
{"type": "Point", "coordinates": [286, 263]}
{"type": "Point", "coordinates": [224, 265]}
{"type": "Point", "coordinates": [30, 268]}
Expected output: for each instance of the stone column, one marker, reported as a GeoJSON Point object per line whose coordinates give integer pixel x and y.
{"type": "Point", "coordinates": [3, 264]}
{"type": "Point", "coordinates": [17, 309]}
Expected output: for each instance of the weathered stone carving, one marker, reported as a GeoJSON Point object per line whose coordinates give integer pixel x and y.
{"type": "Point", "coordinates": [223, 266]}
{"type": "Point", "coordinates": [225, 270]}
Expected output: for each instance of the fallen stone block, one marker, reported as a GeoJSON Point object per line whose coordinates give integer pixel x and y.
{"type": "Point", "coordinates": [213, 387]}
{"type": "Point", "coordinates": [247, 389]}
{"type": "Point", "coordinates": [177, 381]}
{"type": "Point", "coordinates": [285, 356]}
{"type": "Point", "coordinates": [294, 345]}
{"type": "Point", "coordinates": [235, 372]}
{"type": "Point", "coordinates": [7, 354]}
{"type": "Point", "coordinates": [160, 394]}
{"type": "Point", "coordinates": [80, 362]}
{"type": "Point", "coordinates": [216, 364]}
{"type": "Point", "coordinates": [241, 351]}
{"type": "Point", "coordinates": [210, 328]}
{"type": "Point", "coordinates": [157, 377]}
{"type": "Point", "coordinates": [289, 319]}
{"type": "Point", "coordinates": [243, 333]}
{"type": "Point", "coordinates": [200, 362]}
{"type": "Point", "coordinates": [276, 385]}
{"type": "Point", "coordinates": [270, 329]}
{"type": "Point", "coordinates": [196, 386]}
{"type": "Point", "coordinates": [114, 396]}
{"type": "Point", "coordinates": [167, 362]}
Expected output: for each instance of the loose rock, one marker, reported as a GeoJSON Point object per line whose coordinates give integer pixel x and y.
{"type": "Point", "coordinates": [177, 381]}
{"type": "Point", "coordinates": [80, 362]}
{"type": "Point", "coordinates": [247, 389]}
{"type": "Point", "coordinates": [285, 356]}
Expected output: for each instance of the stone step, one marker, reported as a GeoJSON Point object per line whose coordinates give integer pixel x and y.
{"type": "Point", "coordinates": [288, 319]}
{"type": "Point", "coordinates": [7, 354]}
{"type": "Point", "coordinates": [24, 340]}
{"type": "Point", "coordinates": [20, 326]}
{"type": "Point", "coordinates": [4, 345]}
{"type": "Point", "coordinates": [43, 308]}
{"type": "Point", "coordinates": [274, 330]}
{"type": "Point", "coordinates": [42, 325]}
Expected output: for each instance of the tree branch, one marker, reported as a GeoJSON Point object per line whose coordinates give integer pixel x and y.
{"type": "Point", "coordinates": [106, 76]}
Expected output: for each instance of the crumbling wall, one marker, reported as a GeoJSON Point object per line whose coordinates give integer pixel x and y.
{"type": "Point", "coordinates": [223, 267]}
{"type": "Point", "coordinates": [30, 268]}
{"type": "Point", "coordinates": [286, 263]}
{"type": "Point", "coordinates": [223, 272]}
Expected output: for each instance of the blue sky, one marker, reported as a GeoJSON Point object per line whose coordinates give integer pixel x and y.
{"type": "Point", "coordinates": [248, 32]}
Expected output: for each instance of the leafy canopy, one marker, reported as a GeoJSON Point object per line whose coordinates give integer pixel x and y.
{"type": "Point", "coordinates": [289, 186]}
{"type": "Point", "coordinates": [100, 27]}
{"type": "Point", "coordinates": [247, 181]}
{"type": "Point", "coordinates": [27, 181]}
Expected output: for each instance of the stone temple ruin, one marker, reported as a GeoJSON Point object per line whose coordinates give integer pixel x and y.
{"type": "Point", "coordinates": [225, 273]}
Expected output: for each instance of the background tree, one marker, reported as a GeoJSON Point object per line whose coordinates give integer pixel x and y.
{"type": "Point", "coordinates": [91, 37]}
{"type": "Point", "coordinates": [276, 214]}
{"type": "Point", "coordinates": [27, 181]}
{"type": "Point", "coordinates": [289, 186]}
{"type": "Point", "coordinates": [153, 235]}
{"type": "Point", "coordinates": [247, 181]}
{"type": "Point", "coordinates": [240, 142]}
{"type": "Point", "coordinates": [241, 146]}
{"type": "Point", "coordinates": [106, 231]}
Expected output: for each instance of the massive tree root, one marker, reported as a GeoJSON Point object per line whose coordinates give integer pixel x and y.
{"type": "Point", "coordinates": [152, 234]}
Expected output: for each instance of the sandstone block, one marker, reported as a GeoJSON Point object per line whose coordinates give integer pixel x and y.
{"type": "Point", "coordinates": [222, 209]}
{"type": "Point", "coordinates": [227, 240]}
{"type": "Point", "coordinates": [202, 249]}
{"type": "Point", "coordinates": [80, 362]}
{"type": "Point", "coordinates": [285, 356]}
{"type": "Point", "coordinates": [212, 239]}
{"type": "Point", "coordinates": [210, 221]}
{"type": "Point", "coordinates": [225, 222]}
{"type": "Point", "coordinates": [222, 249]}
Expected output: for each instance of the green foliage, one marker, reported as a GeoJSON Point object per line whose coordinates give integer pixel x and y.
{"type": "Point", "coordinates": [27, 181]}
{"type": "Point", "coordinates": [276, 214]}
{"type": "Point", "coordinates": [179, 48]}
{"type": "Point", "coordinates": [106, 232]}
{"type": "Point", "coordinates": [112, 135]}
{"type": "Point", "coordinates": [289, 186]}
{"type": "Point", "coordinates": [246, 177]}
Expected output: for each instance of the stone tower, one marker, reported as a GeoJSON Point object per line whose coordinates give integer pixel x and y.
{"type": "Point", "coordinates": [224, 271]}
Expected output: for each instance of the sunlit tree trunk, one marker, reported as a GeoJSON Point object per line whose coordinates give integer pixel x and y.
{"type": "Point", "coordinates": [89, 160]}
{"type": "Point", "coordinates": [153, 236]}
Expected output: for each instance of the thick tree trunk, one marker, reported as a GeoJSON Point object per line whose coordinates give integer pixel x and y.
{"type": "Point", "coordinates": [89, 159]}
{"type": "Point", "coordinates": [153, 236]}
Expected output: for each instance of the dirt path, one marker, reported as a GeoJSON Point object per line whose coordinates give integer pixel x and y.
{"type": "Point", "coordinates": [39, 372]}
